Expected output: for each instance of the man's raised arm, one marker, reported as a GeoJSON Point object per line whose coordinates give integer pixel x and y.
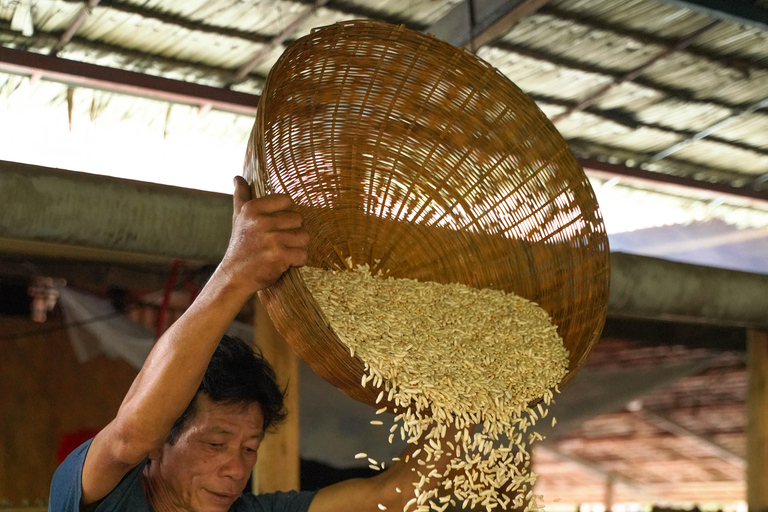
{"type": "Point", "coordinates": [266, 240]}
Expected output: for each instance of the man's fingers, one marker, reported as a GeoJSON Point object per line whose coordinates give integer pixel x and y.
{"type": "Point", "coordinates": [284, 221]}
{"type": "Point", "coordinates": [293, 238]}
{"type": "Point", "coordinates": [297, 257]}
{"type": "Point", "coordinates": [272, 203]}
{"type": "Point", "coordinates": [241, 195]}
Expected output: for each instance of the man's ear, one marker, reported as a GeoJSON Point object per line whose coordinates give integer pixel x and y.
{"type": "Point", "coordinates": [157, 454]}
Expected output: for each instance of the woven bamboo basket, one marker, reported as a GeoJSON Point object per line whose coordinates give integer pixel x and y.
{"type": "Point", "coordinates": [402, 149]}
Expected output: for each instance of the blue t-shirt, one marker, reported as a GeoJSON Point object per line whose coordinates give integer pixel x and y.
{"type": "Point", "coordinates": [67, 489]}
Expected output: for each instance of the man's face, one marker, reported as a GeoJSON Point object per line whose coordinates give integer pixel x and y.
{"type": "Point", "coordinates": [208, 466]}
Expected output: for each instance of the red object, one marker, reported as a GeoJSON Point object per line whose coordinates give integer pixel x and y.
{"type": "Point", "coordinates": [69, 442]}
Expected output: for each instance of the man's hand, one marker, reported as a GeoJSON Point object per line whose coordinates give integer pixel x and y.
{"type": "Point", "coordinates": [365, 494]}
{"type": "Point", "coordinates": [267, 239]}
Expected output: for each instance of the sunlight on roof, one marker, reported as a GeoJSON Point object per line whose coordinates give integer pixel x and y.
{"type": "Point", "coordinates": [122, 146]}
{"type": "Point", "coordinates": [627, 208]}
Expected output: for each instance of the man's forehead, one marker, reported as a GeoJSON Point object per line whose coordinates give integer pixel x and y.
{"type": "Point", "coordinates": [218, 418]}
{"type": "Point", "coordinates": [216, 428]}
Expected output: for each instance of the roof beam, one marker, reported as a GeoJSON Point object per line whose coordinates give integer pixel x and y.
{"type": "Point", "coordinates": [584, 67]}
{"type": "Point", "coordinates": [643, 178]}
{"type": "Point", "coordinates": [82, 74]}
{"type": "Point", "coordinates": [68, 34]}
{"type": "Point", "coordinates": [195, 226]}
{"type": "Point", "coordinates": [711, 129]}
{"type": "Point", "coordinates": [278, 40]}
{"type": "Point", "coordinates": [634, 73]}
{"type": "Point", "coordinates": [179, 21]}
{"type": "Point", "coordinates": [504, 23]}
{"type": "Point", "coordinates": [474, 23]}
{"type": "Point", "coordinates": [741, 65]}
{"type": "Point", "coordinates": [665, 422]}
{"type": "Point", "coordinates": [628, 120]}
{"type": "Point", "coordinates": [730, 11]}
{"type": "Point", "coordinates": [650, 334]}
{"type": "Point", "coordinates": [692, 293]}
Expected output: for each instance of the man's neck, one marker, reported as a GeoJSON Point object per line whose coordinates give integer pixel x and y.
{"type": "Point", "coordinates": [157, 493]}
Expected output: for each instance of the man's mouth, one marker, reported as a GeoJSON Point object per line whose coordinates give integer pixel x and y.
{"type": "Point", "coordinates": [223, 497]}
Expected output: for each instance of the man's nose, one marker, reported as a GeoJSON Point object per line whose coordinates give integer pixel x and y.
{"type": "Point", "coordinates": [236, 467]}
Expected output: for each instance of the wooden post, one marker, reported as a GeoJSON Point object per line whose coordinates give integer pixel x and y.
{"type": "Point", "coordinates": [277, 468]}
{"type": "Point", "coordinates": [609, 493]}
{"type": "Point", "coordinates": [757, 421]}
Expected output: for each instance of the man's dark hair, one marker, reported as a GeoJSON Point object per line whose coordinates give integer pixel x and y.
{"type": "Point", "coordinates": [237, 375]}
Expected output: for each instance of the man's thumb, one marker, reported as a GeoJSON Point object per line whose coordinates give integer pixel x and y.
{"type": "Point", "coordinates": [241, 195]}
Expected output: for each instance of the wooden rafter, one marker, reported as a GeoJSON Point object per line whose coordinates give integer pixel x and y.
{"type": "Point", "coordinates": [475, 24]}
{"type": "Point", "coordinates": [92, 76]}
{"type": "Point", "coordinates": [504, 22]}
{"type": "Point", "coordinates": [629, 121]}
{"type": "Point", "coordinates": [596, 69]}
{"type": "Point", "coordinates": [742, 13]}
{"type": "Point", "coordinates": [276, 41]}
{"type": "Point", "coordinates": [633, 74]}
{"type": "Point", "coordinates": [136, 58]}
{"type": "Point", "coordinates": [72, 29]}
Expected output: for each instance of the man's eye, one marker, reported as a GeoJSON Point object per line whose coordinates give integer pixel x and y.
{"type": "Point", "coordinates": [216, 445]}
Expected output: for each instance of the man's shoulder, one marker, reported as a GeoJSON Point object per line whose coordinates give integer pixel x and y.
{"type": "Point", "coordinates": [66, 485]}
{"type": "Point", "coordinates": [291, 501]}
{"type": "Point", "coordinates": [67, 488]}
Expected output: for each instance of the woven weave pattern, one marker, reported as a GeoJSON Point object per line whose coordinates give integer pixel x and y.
{"type": "Point", "coordinates": [423, 161]}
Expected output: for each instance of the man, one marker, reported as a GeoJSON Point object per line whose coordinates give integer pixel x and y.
{"type": "Point", "coordinates": [187, 434]}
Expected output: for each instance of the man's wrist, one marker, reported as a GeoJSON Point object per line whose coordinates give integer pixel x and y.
{"type": "Point", "coordinates": [224, 285]}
